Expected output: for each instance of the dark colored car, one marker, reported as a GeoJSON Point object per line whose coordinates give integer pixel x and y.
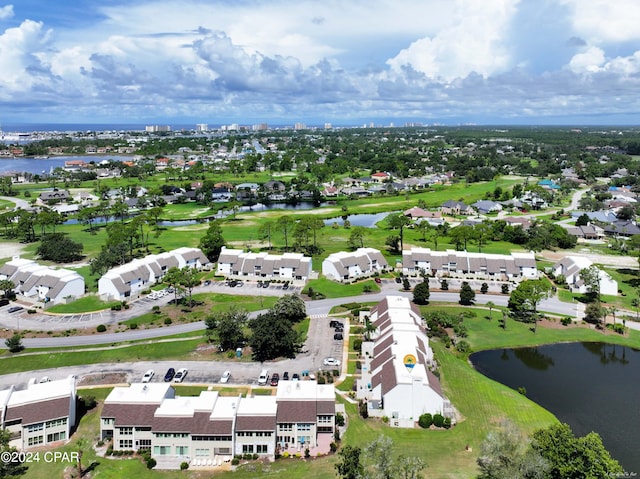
{"type": "Point", "coordinates": [13, 309]}
{"type": "Point", "coordinates": [338, 337]}
{"type": "Point", "coordinates": [275, 378]}
{"type": "Point", "coordinates": [378, 280]}
{"type": "Point", "coordinates": [295, 377]}
{"type": "Point", "coordinates": [398, 279]}
{"type": "Point", "coordinates": [285, 286]}
{"type": "Point", "coordinates": [169, 376]}
{"type": "Point", "coordinates": [285, 376]}
{"type": "Point", "coordinates": [4, 302]}
{"type": "Point", "coordinates": [207, 282]}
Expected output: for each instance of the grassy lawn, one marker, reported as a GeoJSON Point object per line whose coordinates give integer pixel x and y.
{"type": "Point", "coordinates": [332, 289]}
{"type": "Point", "coordinates": [85, 304]}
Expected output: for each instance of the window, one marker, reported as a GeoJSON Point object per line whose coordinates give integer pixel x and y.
{"type": "Point", "coordinates": [203, 452]}
{"type": "Point", "coordinates": [125, 444]}
{"type": "Point", "coordinates": [35, 427]}
{"type": "Point", "coordinates": [126, 431]}
{"type": "Point", "coordinates": [57, 422]}
{"type": "Point", "coordinates": [34, 441]}
{"type": "Point", "coordinates": [287, 426]}
{"type": "Point", "coordinates": [324, 419]}
{"type": "Point", "coordinates": [57, 436]}
{"type": "Point", "coordinates": [182, 450]}
{"type": "Point", "coordinates": [144, 444]}
{"type": "Point", "coordinates": [108, 421]}
{"type": "Point", "coordinates": [262, 448]}
{"type": "Point", "coordinates": [304, 427]}
{"type": "Point", "coordinates": [161, 450]}
{"type": "Point", "coordinates": [247, 448]}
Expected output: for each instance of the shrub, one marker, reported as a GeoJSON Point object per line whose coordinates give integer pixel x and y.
{"type": "Point", "coordinates": [357, 344]}
{"type": "Point", "coordinates": [321, 380]}
{"type": "Point", "coordinates": [155, 309]}
{"type": "Point", "coordinates": [333, 447]}
{"type": "Point", "coordinates": [463, 346]}
{"type": "Point", "coordinates": [254, 456]}
{"type": "Point", "coordinates": [133, 326]}
{"type": "Point", "coordinates": [339, 419]}
{"type": "Point", "coordinates": [101, 328]}
{"type": "Point", "coordinates": [425, 420]}
{"type": "Point", "coordinates": [484, 288]}
{"type": "Point", "coordinates": [522, 390]}
{"type": "Point", "coordinates": [307, 453]}
{"type": "Point", "coordinates": [31, 311]}
{"type": "Point", "coordinates": [235, 461]}
{"type": "Point", "coordinates": [88, 402]}
{"type": "Point", "coordinates": [438, 420]}
{"type": "Point", "coordinates": [167, 321]}
{"type": "Point", "coordinates": [151, 463]}
{"type": "Point", "coordinates": [116, 307]}
{"type": "Point", "coordinates": [504, 289]}
{"type": "Point", "coordinates": [184, 465]}
{"type": "Point", "coordinates": [336, 435]}
{"type": "Point", "coordinates": [444, 285]}
{"type": "Point", "coordinates": [566, 321]}
{"type": "Point", "coordinates": [363, 409]}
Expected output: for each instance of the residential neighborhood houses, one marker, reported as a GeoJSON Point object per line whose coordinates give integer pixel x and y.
{"type": "Point", "coordinates": [350, 266]}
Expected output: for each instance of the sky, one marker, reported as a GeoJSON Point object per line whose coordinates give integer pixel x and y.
{"type": "Point", "coordinates": [345, 62]}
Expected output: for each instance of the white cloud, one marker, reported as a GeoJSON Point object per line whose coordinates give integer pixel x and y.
{"type": "Point", "coordinates": [601, 21]}
{"type": "Point", "coordinates": [475, 42]}
{"type": "Point", "coordinates": [6, 12]}
{"type": "Point", "coordinates": [589, 61]}
{"type": "Point", "coordinates": [18, 62]}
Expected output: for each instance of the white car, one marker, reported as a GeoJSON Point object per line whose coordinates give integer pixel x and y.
{"type": "Point", "coordinates": [263, 378]}
{"type": "Point", "coordinates": [224, 379]}
{"type": "Point", "coordinates": [180, 375]}
{"type": "Point", "coordinates": [331, 362]}
{"type": "Point", "coordinates": [148, 376]}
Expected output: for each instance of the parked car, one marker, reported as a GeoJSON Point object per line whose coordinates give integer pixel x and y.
{"type": "Point", "coordinates": [4, 302]}
{"type": "Point", "coordinates": [263, 378]}
{"type": "Point", "coordinates": [169, 375]}
{"type": "Point", "coordinates": [295, 377]}
{"type": "Point", "coordinates": [275, 378]}
{"type": "Point", "coordinates": [14, 309]}
{"type": "Point", "coordinates": [335, 324]}
{"type": "Point", "coordinates": [285, 286]}
{"type": "Point", "coordinates": [207, 282]}
{"type": "Point", "coordinates": [398, 279]}
{"type": "Point", "coordinates": [224, 379]}
{"type": "Point", "coordinates": [338, 337]}
{"type": "Point", "coordinates": [378, 280]}
{"type": "Point", "coordinates": [180, 375]}
{"type": "Point", "coordinates": [285, 376]}
{"type": "Point", "coordinates": [148, 376]}
{"type": "Point", "coordinates": [331, 361]}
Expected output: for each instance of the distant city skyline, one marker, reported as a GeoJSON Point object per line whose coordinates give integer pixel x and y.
{"type": "Point", "coordinates": [280, 62]}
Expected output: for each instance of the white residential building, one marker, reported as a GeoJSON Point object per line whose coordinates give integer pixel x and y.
{"type": "Point", "coordinates": [130, 279]}
{"type": "Point", "coordinates": [209, 428]}
{"type": "Point", "coordinates": [349, 266]}
{"type": "Point", "coordinates": [42, 414]}
{"type": "Point", "coordinates": [462, 264]}
{"type": "Point", "coordinates": [570, 267]}
{"type": "Point", "coordinates": [235, 263]}
{"type": "Point", "coordinates": [397, 381]}
{"type": "Point", "coordinates": [39, 283]}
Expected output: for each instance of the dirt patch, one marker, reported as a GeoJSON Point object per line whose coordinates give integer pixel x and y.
{"type": "Point", "coordinates": [597, 258]}
{"type": "Point", "coordinates": [98, 379]}
{"type": "Point", "coordinates": [9, 250]}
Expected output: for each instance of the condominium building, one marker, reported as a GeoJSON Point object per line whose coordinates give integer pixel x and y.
{"type": "Point", "coordinates": [235, 263]}
{"type": "Point", "coordinates": [349, 266]}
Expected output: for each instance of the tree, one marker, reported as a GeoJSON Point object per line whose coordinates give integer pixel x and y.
{"type": "Point", "coordinates": [284, 224]}
{"type": "Point", "coordinates": [290, 307]}
{"type": "Point", "coordinates": [60, 248]}
{"type": "Point", "coordinates": [230, 326]}
{"type": "Point", "coordinates": [490, 305]}
{"type": "Point", "coordinates": [398, 221]}
{"type": "Point", "coordinates": [524, 300]}
{"type": "Point", "coordinates": [461, 235]}
{"type": "Point", "coordinates": [210, 325]}
{"type": "Point", "coordinates": [356, 237]}
{"type": "Point", "coordinates": [9, 468]}
{"type": "Point", "coordinates": [571, 457]}
{"type": "Point", "coordinates": [87, 216]}
{"type": "Point", "coordinates": [421, 293]}
{"type": "Point", "coordinates": [591, 279]}
{"type": "Point", "coordinates": [82, 445]}
{"type": "Point", "coordinates": [409, 467]}
{"type": "Point", "coordinates": [506, 454]}
{"type": "Point", "coordinates": [378, 452]}
{"type": "Point", "coordinates": [350, 466]}
{"type": "Point", "coordinates": [272, 337]}
{"type": "Point", "coordinates": [467, 295]}
{"type": "Point", "coordinates": [484, 288]}
{"type": "Point", "coordinates": [173, 278]}
{"type": "Point", "coordinates": [266, 231]}
{"type": "Point", "coordinates": [14, 343]}
{"type": "Point", "coordinates": [594, 312]}
{"type": "Point", "coordinates": [635, 302]}
{"type": "Point", "coordinates": [582, 220]}
{"type": "Point", "coordinates": [212, 242]}
{"type": "Point", "coordinates": [393, 242]}
{"type": "Point", "coordinates": [6, 286]}
{"type": "Point", "coordinates": [189, 280]}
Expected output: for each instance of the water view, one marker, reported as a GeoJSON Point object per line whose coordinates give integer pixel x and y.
{"type": "Point", "coordinates": [590, 386]}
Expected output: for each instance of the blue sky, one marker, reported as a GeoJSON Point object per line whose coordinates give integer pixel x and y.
{"type": "Point", "coordinates": [346, 62]}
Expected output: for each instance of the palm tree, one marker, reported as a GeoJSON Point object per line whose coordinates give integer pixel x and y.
{"type": "Point", "coordinates": [368, 328]}
{"type": "Point", "coordinates": [490, 305]}
{"type": "Point", "coordinates": [81, 445]}
{"type": "Point", "coordinates": [635, 302]}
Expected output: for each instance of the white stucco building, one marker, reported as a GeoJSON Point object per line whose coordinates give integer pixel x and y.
{"type": "Point", "coordinates": [235, 263]}
{"type": "Point", "coordinates": [571, 266]}
{"type": "Point", "coordinates": [130, 279]}
{"type": "Point", "coordinates": [397, 381]}
{"type": "Point", "coordinates": [43, 284]}
{"type": "Point", "coordinates": [43, 413]}
{"type": "Point", "coordinates": [349, 266]}
{"type": "Point", "coordinates": [462, 264]}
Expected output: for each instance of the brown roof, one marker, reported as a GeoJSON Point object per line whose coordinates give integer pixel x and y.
{"type": "Point", "coordinates": [130, 414]}
{"type": "Point", "coordinates": [256, 423]}
{"type": "Point", "coordinates": [296, 411]}
{"type": "Point", "coordinates": [326, 407]}
{"type": "Point", "coordinates": [39, 411]}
